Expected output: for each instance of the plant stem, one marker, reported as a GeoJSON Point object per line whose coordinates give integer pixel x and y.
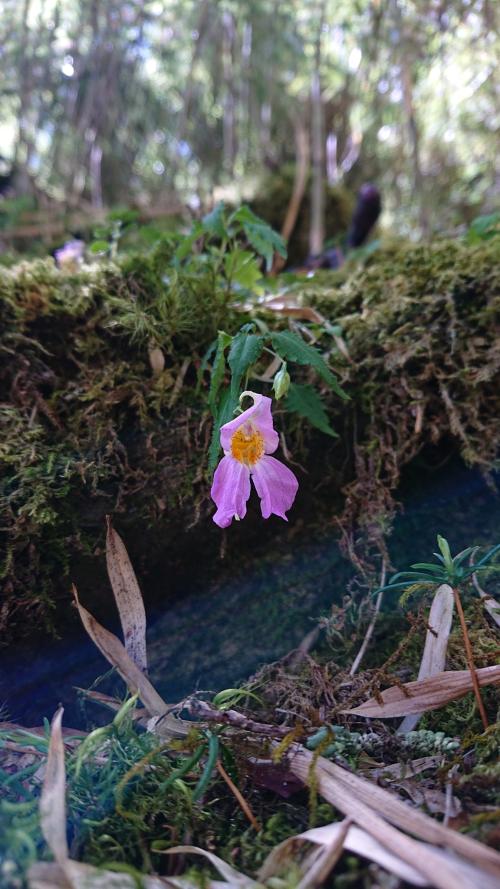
{"type": "Point", "coordinates": [470, 658]}
{"type": "Point", "coordinates": [361, 653]}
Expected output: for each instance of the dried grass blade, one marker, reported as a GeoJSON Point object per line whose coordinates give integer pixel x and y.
{"type": "Point", "coordinates": [397, 812]}
{"type": "Point", "coordinates": [233, 877]}
{"type": "Point", "coordinates": [128, 597]}
{"type": "Point", "coordinates": [114, 651]}
{"type": "Point", "coordinates": [53, 796]}
{"type": "Point", "coordinates": [440, 872]}
{"type": "Point", "coordinates": [425, 694]}
{"type": "Point", "coordinates": [323, 865]}
{"type": "Point", "coordinates": [436, 644]}
{"type": "Point", "coordinates": [317, 865]}
{"type": "Point", "coordinates": [360, 842]}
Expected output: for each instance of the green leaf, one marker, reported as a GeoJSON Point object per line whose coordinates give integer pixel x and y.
{"type": "Point", "coordinates": [244, 351]}
{"type": "Point", "coordinates": [187, 242]}
{"type": "Point", "coordinates": [241, 267]}
{"type": "Point", "coordinates": [229, 697]}
{"type": "Point", "coordinates": [482, 228]}
{"type": "Point", "coordinates": [265, 241]}
{"type": "Point", "coordinates": [224, 414]}
{"type": "Point", "coordinates": [99, 247]}
{"type": "Point", "coordinates": [123, 215]}
{"type": "Point", "coordinates": [218, 369]}
{"type": "Point", "coordinates": [214, 223]}
{"type": "Point", "coordinates": [444, 549]}
{"type": "Point", "coordinates": [244, 215]}
{"type": "Point", "coordinates": [289, 345]}
{"type": "Point", "coordinates": [427, 566]}
{"type": "Point", "coordinates": [305, 401]}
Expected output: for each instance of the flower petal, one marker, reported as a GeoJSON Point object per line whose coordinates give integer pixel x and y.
{"type": "Point", "coordinates": [230, 491]}
{"type": "Point", "coordinates": [260, 416]}
{"type": "Point", "coordinates": [276, 486]}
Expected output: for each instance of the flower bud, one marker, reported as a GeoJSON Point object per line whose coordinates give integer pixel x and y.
{"type": "Point", "coordinates": [281, 382]}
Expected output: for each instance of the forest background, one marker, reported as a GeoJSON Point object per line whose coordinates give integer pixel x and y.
{"type": "Point", "coordinates": [163, 105]}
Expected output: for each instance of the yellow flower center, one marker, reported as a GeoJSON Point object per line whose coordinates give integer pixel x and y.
{"type": "Point", "coordinates": [247, 445]}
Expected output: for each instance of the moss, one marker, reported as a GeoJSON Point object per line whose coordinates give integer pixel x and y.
{"type": "Point", "coordinates": [90, 429]}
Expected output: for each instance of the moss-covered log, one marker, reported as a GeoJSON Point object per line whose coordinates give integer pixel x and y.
{"type": "Point", "coordinates": [92, 424]}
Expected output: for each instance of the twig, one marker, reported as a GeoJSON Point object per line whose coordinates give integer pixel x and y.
{"type": "Point", "coordinates": [371, 626]}
{"type": "Point", "coordinates": [470, 658]}
{"type": "Point", "coordinates": [178, 383]}
{"type": "Point", "coordinates": [232, 717]}
{"type": "Point", "coordinates": [239, 796]}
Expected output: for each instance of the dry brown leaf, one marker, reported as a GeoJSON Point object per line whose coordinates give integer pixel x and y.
{"type": "Point", "coordinates": [128, 597]}
{"type": "Point", "coordinates": [424, 694]}
{"type": "Point", "coordinates": [436, 644]}
{"type": "Point", "coordinates": [286, 304]}
{"type": "Point", "coordinates": [384, 803]}
{"type": "Point", "coordinates": [53, 796]}
{"type": "Point", "coordinates": [114, 652]}
{"type": "Point", "coordinates": [365, 803]}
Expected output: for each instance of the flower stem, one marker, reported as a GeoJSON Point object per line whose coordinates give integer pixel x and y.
{"type": "Point", "coordinates": [470, 659]}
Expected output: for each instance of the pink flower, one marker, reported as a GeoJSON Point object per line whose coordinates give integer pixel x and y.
{"type": "Point", "coordinates": [247, 441]}
{"type": "Point", "coordinates": [70, 255]}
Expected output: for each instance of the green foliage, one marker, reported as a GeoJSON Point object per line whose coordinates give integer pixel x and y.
{"type": "Point", "coordinates": [219, 237]}
{"type": "Point", "coordinates": [451, 570]}
{"type": "Point", "coordinates": [245, 350]}
{"type": "Point", "coordinates": [260, 235]}
{"type": "Point", "coordinates": [305, 401]}
{"type": "Point", "coordinates": [483, 228]}
{"type": "Point", "coordinates": [88, 428]}
{"type": "Point", "coordinates": [290, 346]}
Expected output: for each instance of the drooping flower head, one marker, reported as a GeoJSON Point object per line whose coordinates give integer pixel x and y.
{"type": "Point", "coordinates": [69, 257]}
{"type": "Point", "coordinates": [247, 442]}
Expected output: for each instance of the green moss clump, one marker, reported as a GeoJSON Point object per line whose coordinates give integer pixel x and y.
{"type": "Point", "coordinates": [91, 428]}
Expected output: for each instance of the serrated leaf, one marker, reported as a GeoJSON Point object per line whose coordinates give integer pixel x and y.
{"type": "Point", "coordinates": [264, 240]}
{"type": "Point", "coordinates": [242, 268]}
{"type": "Point", "coordinates": [289, 345]}
{"type": "Point", "coordinates": [244, 351]}
{"type": "Point", "coordinates": [305, 401]}
{"type": "Point", "coordinates": [214, 223]}
{"type": "Point", "coordinates": [244, 214]}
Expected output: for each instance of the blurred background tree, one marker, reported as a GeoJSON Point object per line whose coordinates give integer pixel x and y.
{"type": "Point", "coordinates": [137, 102]}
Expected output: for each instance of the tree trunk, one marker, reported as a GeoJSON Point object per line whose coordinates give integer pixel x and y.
{"type": "Point", "coordinates": [317, 230]}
